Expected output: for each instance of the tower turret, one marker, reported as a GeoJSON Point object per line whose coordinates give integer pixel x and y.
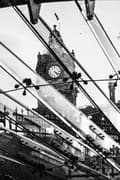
{"type": "Point", "coordinates": [111, 91]}
{"type": "Point", "coordinates": [51, 70]}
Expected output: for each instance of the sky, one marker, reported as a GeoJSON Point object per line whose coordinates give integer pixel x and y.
{"type": "Point", "coordinates": [76, 35]}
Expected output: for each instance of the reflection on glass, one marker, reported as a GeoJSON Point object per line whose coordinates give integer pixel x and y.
{"type": "Point", "coordinates": [66, 109]}
{"type": "Point", "coordinates": [59, 104]}
{"type": "Point", "coordinates": [98, 92]}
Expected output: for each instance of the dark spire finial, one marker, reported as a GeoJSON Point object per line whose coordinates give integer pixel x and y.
{"type": "Point", "coordinates": [73, 53]}
{"type": "Point", "coordinates": [55, 30]}
{"type": "Point", "coordinates": [54, 27]}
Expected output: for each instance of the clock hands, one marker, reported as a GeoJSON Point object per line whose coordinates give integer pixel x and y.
{"type": "Point", "coordinates": [57, 72]}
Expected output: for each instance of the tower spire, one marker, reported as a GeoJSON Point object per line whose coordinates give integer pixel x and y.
{"type": "Point", "coordinates": [58, 20]}
{"type": "Point", "coordinates": [52, 40]}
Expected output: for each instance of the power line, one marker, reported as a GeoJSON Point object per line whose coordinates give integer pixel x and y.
{"type": "Point", "coordinates": [82, 68]}
{"type": "Point", "coordinates": [58, 83]}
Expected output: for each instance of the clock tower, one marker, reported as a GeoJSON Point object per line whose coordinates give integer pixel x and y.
{"type": "Point", "coordinates": [48, 68]}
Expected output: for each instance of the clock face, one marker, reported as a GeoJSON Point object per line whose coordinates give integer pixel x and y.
{"type": "Point", "coordinates": [54, 71]}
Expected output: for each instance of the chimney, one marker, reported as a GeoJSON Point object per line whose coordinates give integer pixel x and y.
{"type": "Point", "coordinates": [111, 91]}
